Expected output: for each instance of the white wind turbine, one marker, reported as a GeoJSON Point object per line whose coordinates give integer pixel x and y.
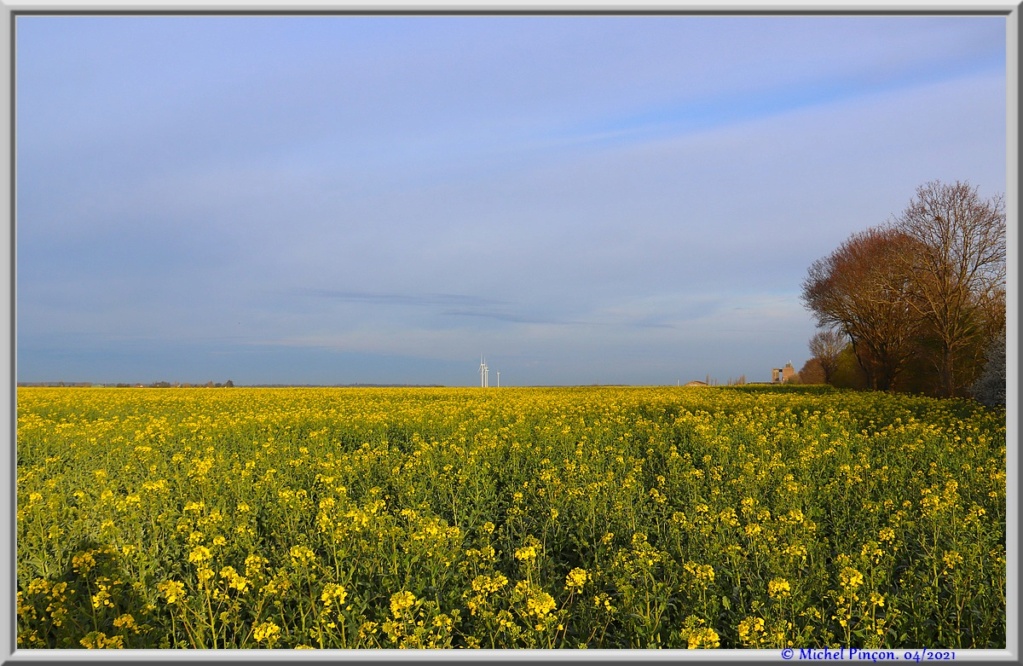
{"type": "Point", "coordinates": [483, 373]}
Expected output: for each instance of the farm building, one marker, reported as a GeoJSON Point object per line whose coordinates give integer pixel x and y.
{"type": "Point", "coordinates": [782, 375]}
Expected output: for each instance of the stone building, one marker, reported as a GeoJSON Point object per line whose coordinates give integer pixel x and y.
{"type": "Point", "coordinates": [782, 375]}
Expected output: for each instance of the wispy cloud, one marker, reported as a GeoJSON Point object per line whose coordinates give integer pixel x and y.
{"type": "Point", "coordinates": [380, 298]}
{"type": "Point", "coordinates": [516, 318]}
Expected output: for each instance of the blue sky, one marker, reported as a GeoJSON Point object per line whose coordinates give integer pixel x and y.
{"type": "Point", "coordinates": [382, 199]}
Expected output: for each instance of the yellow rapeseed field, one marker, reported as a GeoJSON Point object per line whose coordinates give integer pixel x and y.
{"type": "Point", "coordinates": [508, 518]}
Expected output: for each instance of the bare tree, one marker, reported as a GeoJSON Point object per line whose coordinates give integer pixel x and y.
{"type": "Point", "coordinates": [859, 290]}
{"type": "Point", "coordinates": [956, 271]}
{"type": "Point", "coordinates": [825, 346]}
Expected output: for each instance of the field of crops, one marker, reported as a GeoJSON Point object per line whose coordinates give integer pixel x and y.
{"type": "Point", "coordinates": [508, 518]}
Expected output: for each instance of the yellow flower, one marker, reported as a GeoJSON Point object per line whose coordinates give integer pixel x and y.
{"type": "Point", "coordinates": [751, 631]}
{"type": "Point", "coordinates": [267, 631]}
{"type": "Point", "coordinates": [401, 601]}
{"type": "Point", "coordinates": [575, 579]}
{"type": "Point", "coordinates": [796, 550]}
{"type": "Point", "coordinates": [234, 579]}
{"type": "Point", "coordinates": [368, 629]}
{"type": "Point", "coordinates": [525, 553]}
{"type": "Point", "coordinates": [489, 584]}
{"type": "Point", "coordinates": [200, 555]}
{"type": "Point", "coordinates": [83, 562]}
{"type": "Point", "coordinates": [38, 586]}
{"type": "Point", "coordinates": [98, 640]}
{"type": "Point", "coordinates": [333, 594]}
{"type": "Point", "coordinates": [850, 578]}
{"type": "Point", "coordinates": [701, 572]}
{"type": "Point", "coordinates": [778, 588]}
{"type": "Point", "coordinates": [254, 565]}
{"type": "Point", "coordinates": [172, 590]}
{"type": "Point", "coordinates": [538, 602]}
{"type": "Point", "coordinates": [102, 598]}
{"type": "Point", "coordinates": [701, 638]}
{"type": "Point", "coordinates": [302, 555]}
{"type": "Point", "coordinates": [126, 621]}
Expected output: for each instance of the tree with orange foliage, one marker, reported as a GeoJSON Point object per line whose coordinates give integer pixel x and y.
{"type": "Point", "coordinates": [860, 290]}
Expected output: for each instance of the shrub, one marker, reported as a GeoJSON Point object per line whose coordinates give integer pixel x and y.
{"type": "Point", "coordinates": [989, 389]}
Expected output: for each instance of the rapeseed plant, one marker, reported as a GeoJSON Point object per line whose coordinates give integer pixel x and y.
{"type": "Point", "coordinates": [589, 517]}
